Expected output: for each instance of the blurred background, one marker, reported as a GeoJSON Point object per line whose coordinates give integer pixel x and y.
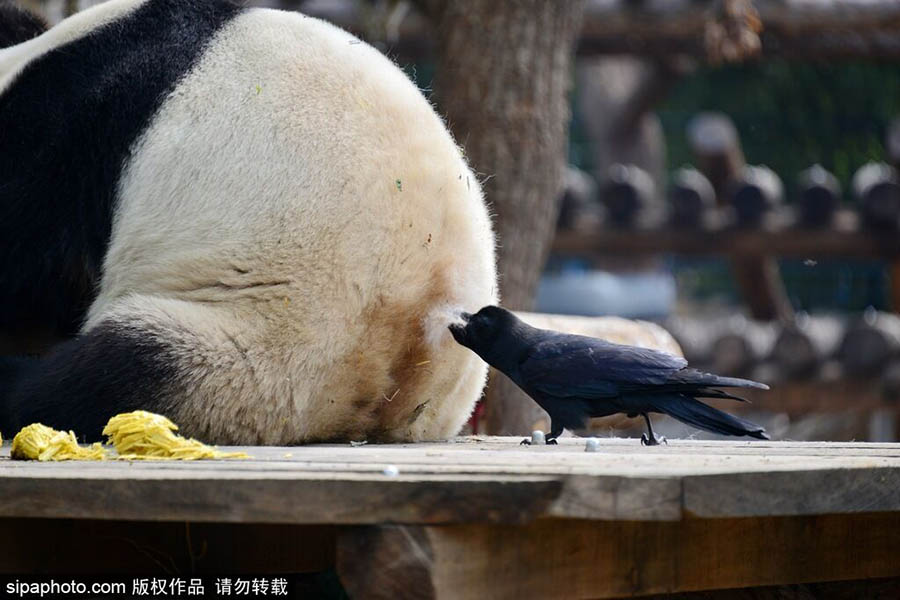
{"type": "Point", "coordinates": [724, 168]}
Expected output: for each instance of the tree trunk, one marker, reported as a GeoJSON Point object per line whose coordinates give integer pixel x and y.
{"type": "Point", "coordinates": [609, 92]}
{"type": "Point", "coordinates": [70, 7]}
{"type": "Point", "coordinates": [503, 76]}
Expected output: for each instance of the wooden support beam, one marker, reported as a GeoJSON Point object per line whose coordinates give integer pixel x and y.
{"type": "Point", "coordinates": [86, 546]}
{"type": "Point", "coordinates": [387, 562]}
{"type": "Point", "coordinates": [553, 558]}
{"type": "Point", "coordinates": [548, 558]}
{"type": "Point", "coordinates": [796, 243]}
{"type": "Point", "coordinates": [838, 29]}
{"type": "Point", "coordinates": [794, 28]}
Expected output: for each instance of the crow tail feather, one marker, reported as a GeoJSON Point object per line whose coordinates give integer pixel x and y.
{"type": "Point", "coordinates": [693, 377]}
{"type": "Point", "coordinates": [693, 412]}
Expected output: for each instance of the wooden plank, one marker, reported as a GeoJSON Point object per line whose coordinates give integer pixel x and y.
{"type": "Point", "coordinates": [79, 546]}
{"type": "Point", "coordinates": [502, 467]}
{"type": "Point", "coordinates": [797, 493]}
{"type": "Point", "coordinates": [498, 459]}
{"type": "Point", "coordinates": [556, 558]}
{"type": "Point", "coordinates": [619, 498]}
{"type": "Point", "coordinates": [280, 500]}
{"type": "Point", "coordinates": [469, 480]}
{"type": "Point", "coordinates": [459, 453]}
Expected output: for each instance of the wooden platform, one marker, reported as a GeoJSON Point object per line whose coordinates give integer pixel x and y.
{"type": "Point", "coordinates": [476, 517]}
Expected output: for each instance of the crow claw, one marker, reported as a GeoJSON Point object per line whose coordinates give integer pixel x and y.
{"type": "Point", "coordinates": [656, 440]}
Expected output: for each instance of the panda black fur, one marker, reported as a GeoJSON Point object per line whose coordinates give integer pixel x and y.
{"type": "Point", "coordinates": [17, 25]}
{"type": "Point", "coordinates": [254, 223]}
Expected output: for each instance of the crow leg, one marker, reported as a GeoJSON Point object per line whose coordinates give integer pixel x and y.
{"type": "Point", "coordinates": [556, 430]}
{"type": "Point", "coordinates": [649, 438]}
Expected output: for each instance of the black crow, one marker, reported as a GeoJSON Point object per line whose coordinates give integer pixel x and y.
{"type": "Point", "coordinates": [574, 377]}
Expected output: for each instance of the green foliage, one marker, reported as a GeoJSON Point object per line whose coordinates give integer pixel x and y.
{"type": "Point", "coordinates": [844, 285]}
{"type": "Point", "coordinates": [791, 115]}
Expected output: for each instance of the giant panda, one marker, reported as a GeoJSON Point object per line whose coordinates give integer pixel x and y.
{"type": "Point", "coordinates": [245, 219]}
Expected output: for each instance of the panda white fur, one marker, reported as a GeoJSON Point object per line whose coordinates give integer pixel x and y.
{"type": "Point", "coordinates": [251, 222]}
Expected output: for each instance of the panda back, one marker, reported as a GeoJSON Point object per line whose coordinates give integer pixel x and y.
{"type": "Point", "coordinates": [73, 102]}
{"type": "Point", "coordinates": [297, 152]}
{"type": "Point", "coordinates": [262, 209]}
{"type": "Point", "coordinates": [298, 185]}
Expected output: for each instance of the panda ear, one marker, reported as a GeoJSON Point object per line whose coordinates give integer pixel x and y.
{"type": "Point", "coordinates": [18, 25]}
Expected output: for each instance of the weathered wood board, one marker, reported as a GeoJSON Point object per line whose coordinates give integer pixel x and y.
{"type": "Point", "coordinates": [468, 480]}
{"type": "Point", "coordinates": [474, 517]}
{"type": "Point", "coordinates": [568, 558]}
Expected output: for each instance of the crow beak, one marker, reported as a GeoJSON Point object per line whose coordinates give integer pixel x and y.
{"type": "Point", "coordinates": [459, 329]}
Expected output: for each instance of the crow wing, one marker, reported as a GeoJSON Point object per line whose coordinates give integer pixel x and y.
{"type": "Point", "coordinates": [574, 366]}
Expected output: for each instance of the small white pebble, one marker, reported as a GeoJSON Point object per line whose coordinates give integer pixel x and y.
{"type": "Point", "coordinates": [537, 438]}
{"type": "Point", "coordinates": [591, 445]}
{"type": "Point", "coordinates": [355, 443]}
{"type": "Point", "coordinates": [391, 471]}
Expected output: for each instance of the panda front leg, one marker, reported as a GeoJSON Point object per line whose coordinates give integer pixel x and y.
{"type": "Point", "coordinates": [177, 358]}
{"type": "Point", "coordinates": [115, 367]}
